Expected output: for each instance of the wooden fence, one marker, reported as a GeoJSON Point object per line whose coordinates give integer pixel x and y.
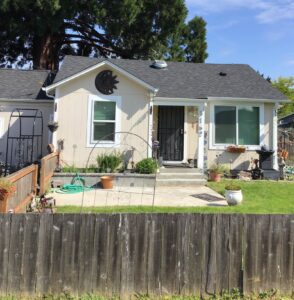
{"type": "Point", "coordinates": [123, 254]}
{"type": "Point", "coordinates": [48, 165]}
{"type": "Point", "coordinates": [25, 181]}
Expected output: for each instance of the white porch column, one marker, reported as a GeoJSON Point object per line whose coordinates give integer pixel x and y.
{"type": "Point", "coordinates": [275, 137]}
{"type": "Point", "coordinates": [150, 126]}
{"type": "Point", "coordinates": [201, 129]}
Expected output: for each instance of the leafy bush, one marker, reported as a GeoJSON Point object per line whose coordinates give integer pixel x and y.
{"type": "Point", "coordinates": [6, 185]}
{"type": "Point", "coordinates": [219, 169]}
{"type": "Point", "coordinates": [109, 162]}
{"type": "Point", "coordinates": [146, 166]}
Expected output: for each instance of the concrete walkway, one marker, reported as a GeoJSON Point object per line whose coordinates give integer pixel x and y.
{"type": "Point", "coordinates": [164, 196]}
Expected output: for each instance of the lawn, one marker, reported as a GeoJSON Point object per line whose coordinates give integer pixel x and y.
{"type": "Point", "coordinates": [259, 197]}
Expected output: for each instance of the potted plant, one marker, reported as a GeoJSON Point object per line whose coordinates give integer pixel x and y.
{"type": "Point", "coordinates": [7, 189]}
{"type": "Point", "coordinates": [108, 163]}
{"type": "Point", "coordinates": [233, 194]}
{"type": "Point", "coordinates": [216, 171]}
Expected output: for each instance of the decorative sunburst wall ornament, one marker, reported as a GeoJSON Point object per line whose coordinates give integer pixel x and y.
{"type": "Point", "coordinates": [105, 82]}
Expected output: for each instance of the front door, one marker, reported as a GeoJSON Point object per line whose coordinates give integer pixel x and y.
{"type": "Point", "coordinates": [171, 132]}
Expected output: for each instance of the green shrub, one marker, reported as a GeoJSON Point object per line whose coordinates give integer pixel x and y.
{"type": "Point", "coordinates": [109, 162]}
{"type": "Point", "coordinates": [146, 166]}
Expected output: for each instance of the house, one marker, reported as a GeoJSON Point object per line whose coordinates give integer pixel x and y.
{"type": "Point", "coordinates": [195, 111]}
{"type": "Point", "coordinates": [21, 94]}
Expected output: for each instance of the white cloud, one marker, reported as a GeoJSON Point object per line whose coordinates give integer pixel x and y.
{"type": "Point", "coordinates": [266, 11]}
{"type": "Point", "coordinates": [290, 62]}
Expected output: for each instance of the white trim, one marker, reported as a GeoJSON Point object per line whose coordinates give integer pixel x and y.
{"type": "Point", "coordinates": [213, 146]}
{"type": "Point", "coordinates": [185, 148]}
{"type": "Point", "coordinates": [98, 65]}
{"type": "Point", "coordinates": [161, 101]}
{"type": "Point", "coordinates": [150, 126]}
{"type": "Point", "coordinates": [275, 137]}
{"type": "Point", "coordinates": [233, 99]}
{"type": "Point", "coordinates": [6, 100]}
{"type": "Point", "coordinates": [103, 144]}
{"type": "Point", "coordinates": [55, 116]}
{"type": "Point", "coordinates": [201, 131]}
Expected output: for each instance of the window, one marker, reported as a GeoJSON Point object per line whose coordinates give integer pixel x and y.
{"type": "Point", "coordinates": [238, 125]}
{"type": "Point", "coordinates": [104, 123]}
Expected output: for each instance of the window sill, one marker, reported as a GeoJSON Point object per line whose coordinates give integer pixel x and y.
{"type": "Point", "coordinates": [224, 147]}
{"type": "Point", "coordinates": [103, 144]}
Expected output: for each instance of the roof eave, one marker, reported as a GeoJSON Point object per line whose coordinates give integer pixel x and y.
{"type": "Point", "coordinates": [237, 99]}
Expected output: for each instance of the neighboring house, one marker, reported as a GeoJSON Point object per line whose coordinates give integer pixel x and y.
{"type": "Point", "coordinates": [286, 122]}
{"type": "Point", "coordinates": [286, 134]}
{"type": "Point", "coordinates": [22, 90]}
{"type": "Point", "coordinates": [194, 110]}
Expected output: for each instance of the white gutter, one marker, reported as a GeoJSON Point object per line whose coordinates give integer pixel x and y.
{"type": "Point", "coordinates": [233, 99]}
{"type": "Point", "coordinates": [9, 100]}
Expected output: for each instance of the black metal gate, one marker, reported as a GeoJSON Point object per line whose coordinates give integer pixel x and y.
{"type": "Point", "coordinates": [171, 132]}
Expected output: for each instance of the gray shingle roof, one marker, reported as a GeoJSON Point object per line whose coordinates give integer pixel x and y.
{"type": "Point", "coordinates": [186, 80]}
{"type": "Point", "coordinates": [22, 84]}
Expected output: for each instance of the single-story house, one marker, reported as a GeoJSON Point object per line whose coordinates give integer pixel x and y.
{"type": "Point", "coordinates": [194, 111]}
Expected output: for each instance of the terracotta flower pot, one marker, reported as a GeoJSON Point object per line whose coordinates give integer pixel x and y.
{"type": "Point", "coordinates": [107, 182]}
{"type": "Point", "coordinates": [216, 177]}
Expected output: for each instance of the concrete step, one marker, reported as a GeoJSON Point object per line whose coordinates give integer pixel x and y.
{"type": "Point", "coordinates": [179, 170]}
{"type": "Point", "coordinates": [180, 182]}
{"type": "Point", "coordinates": [180, 176]}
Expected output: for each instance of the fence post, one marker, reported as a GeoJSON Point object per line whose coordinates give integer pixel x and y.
{"type": "Point", "coordinates": [42, 175]}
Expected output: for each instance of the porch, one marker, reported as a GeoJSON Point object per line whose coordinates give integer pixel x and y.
{"type": "Point", "coordinates": [178, 126]}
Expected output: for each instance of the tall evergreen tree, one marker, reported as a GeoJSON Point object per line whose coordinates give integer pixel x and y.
{"type": "Point", "coordinates": [42, 31]}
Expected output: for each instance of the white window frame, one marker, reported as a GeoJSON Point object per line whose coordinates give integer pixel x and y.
{"type": "Point", "coordinates": [90, 128]}
{"type": "Point", "coordinates": [215, 146]}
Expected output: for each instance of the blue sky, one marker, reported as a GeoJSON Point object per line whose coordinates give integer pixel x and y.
{"type": "Point", "coordinates": [256, 32]}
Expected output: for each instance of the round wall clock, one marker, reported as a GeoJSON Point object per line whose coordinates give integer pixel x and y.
{"type": "Point", "coordinates": [105, 82]}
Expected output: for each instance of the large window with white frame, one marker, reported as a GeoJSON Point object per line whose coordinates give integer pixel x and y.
{"type": "Point", "coordinates": [237, 124]}
{"type": "Point", "coordinates": [104, 120]}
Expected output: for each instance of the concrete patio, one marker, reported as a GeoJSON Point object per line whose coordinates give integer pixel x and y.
{"type": "Point", "coordinates": [164, 196]}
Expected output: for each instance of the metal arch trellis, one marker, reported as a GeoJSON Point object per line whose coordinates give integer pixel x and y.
{"type": "Point", "coordinates": [23, 147]}
{"type": "Point", "coordinates": [103, 139]}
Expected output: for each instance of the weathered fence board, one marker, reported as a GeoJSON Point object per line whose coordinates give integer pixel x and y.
{"type": "Point", "coordinates": [48, 166]}
{"type": "Point", "coordinates": [25, 181]}
{"type": "Point", "coordinates": [123, 254]}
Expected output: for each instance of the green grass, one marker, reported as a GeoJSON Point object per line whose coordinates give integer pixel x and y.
{"type": "Point", "coordinates": [260, 197]}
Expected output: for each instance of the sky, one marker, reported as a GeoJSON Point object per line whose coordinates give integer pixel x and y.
{"type": "Point", "coordinates": [255, 32]}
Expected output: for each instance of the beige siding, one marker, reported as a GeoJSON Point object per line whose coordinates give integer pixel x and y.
{"type": "Point", "coordinates": [5, 112]}
{"type": "Point", "coordinates": [73, 118]}
{"type": "Point", "coordinates": [243, 160]}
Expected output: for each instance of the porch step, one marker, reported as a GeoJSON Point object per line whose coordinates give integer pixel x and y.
{"type": "Point", "coordinates": [180, 182]}
{"type": "Point", "coordinates": [180, 177]}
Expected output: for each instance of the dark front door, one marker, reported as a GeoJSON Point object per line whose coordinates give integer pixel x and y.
{"type": "Point", "coordinates": [171, 132]}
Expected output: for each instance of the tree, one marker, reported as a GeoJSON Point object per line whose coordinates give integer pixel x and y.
{"type": "Point", "coordinates": [189, 42]}
{"type": "Point", "coordinates": [43, 31]}
{"type": "Point", "coordinates": [196, 41]}
{"type": "Point", "coordinates": [286, 86]}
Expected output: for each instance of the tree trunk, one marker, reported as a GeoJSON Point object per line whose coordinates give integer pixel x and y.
{"type": "Point", "coordinates": [45, 52]}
